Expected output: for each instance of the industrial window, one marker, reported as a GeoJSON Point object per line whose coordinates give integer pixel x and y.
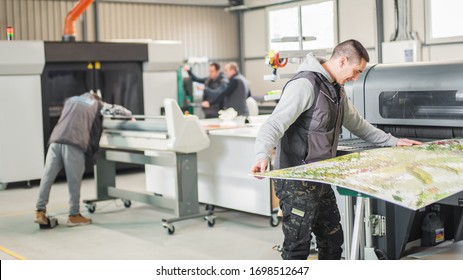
{"type": "Point", "coordinates": [309, 25]}
{"type": "Point", "coordinates": [444, 21]}
{"type": "Point", "coordinates": [437, 104]}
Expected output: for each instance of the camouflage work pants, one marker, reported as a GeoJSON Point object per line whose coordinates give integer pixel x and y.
{"type": "Point", "coordinates": [309, 207]}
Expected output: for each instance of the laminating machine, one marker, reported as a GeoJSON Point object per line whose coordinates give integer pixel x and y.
{"type": "Point", "coordinates": [422, 101]}
{"type": "Point", "coordinates": [171, 141]}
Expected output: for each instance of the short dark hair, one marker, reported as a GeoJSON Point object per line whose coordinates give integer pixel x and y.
{"type": "Point", "coordinates": [353, 50]}
{"type": "Point", "coordinates": [215, 65]}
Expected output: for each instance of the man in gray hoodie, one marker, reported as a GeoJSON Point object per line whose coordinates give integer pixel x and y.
{"type": "Point", "coordinates": [76, 134]}
{"type": "Point", "coordinates": [305, 127]}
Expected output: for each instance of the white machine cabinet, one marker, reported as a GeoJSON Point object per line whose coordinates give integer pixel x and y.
{"type": "Point", "coordinates": [21, 125]}
{"type": "Point", "coordinates": [160, 74]}
{"type": "Point", "coordinates": [224, 178]}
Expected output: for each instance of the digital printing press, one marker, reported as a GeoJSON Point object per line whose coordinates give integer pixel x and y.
{"type": "Point", "coordinates": [422, 101]}
{"type": "Point", "coordinates": [137, 75]}
{"type": "Point", "coordinates": [171, 141]}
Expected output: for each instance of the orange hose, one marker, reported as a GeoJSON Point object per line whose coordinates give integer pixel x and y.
{"type": "Point", "coordinates": [73, 15]}
{"type": "Point", "coordinates": [276, 61]}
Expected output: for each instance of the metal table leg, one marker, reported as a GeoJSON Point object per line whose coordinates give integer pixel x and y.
{"type": "Point", "coordinates": [357, 229]}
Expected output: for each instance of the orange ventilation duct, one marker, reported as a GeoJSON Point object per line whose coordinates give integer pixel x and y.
{"type": "Point", "coordinates": [69, 23]}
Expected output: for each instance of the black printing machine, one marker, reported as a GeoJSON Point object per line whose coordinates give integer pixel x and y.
{"type": "Point", "coordinates": [422, 101]}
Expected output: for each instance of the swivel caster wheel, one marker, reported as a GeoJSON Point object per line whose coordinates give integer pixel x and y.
{"type": "Point", "coordinates": [127, 203]}
{"type": "Point", "coordinates": [274, 220]}
{"type": "Point", "coordinates": [170, 228]}
{"type": "Point", "coordinates": [91, 207]}
{"type": "Point", "coordinates": [210, 220]}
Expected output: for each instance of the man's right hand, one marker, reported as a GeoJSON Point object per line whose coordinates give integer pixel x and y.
{"type": "Point", "coordinates": [205, 104]}
{"type": "Point", "coordinates": [186, 67]}
{"type": "Point", "coordinates": [259, 166]}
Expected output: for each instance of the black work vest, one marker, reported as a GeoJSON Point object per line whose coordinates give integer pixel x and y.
{"type": "Point", "coordinates": [314, 135]}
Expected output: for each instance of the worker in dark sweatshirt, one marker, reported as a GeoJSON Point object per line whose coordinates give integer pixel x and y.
{"type": "Point", "coordinates": [214, 84]}
{"type": "Point", "coordinates": [235, 94]}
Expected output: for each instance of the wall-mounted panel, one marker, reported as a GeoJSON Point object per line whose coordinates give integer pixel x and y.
{"type": "Point", "coordinates": [255, 33]}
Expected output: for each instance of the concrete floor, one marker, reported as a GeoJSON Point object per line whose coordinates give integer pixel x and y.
{"type": "Point", "coordinates": [136, 233]}
{"type": "Point", "coordinates": [133, 233]}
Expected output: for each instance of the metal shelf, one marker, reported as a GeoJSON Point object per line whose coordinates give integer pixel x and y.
{"type": "Point", "coordinates": [272, 97]}
{"type": "Point", "coordinates": [293, 39]}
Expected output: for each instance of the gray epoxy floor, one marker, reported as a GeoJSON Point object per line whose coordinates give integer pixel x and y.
{"type": "Point", "coordinates": [133, 233]}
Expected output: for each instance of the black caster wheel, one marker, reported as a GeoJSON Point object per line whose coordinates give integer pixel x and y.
{"type": "Point", "coordinates": [381, 255]}
{"type": "Point", "coordinates": [274, 221]}
{"type": "Point", "coordinates": [91, 208]}
{"type": "Point", "coordinates": [170, 228]}
{"type": "Point", "coordinates": [210, 220]}
{"type": "Point", "coordinates": [211, 223]}
{"type": "Point", "coordinates": [127, 203]}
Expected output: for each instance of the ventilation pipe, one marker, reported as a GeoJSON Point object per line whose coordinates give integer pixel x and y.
{"type": "Point", "coordinates": [69, 23]}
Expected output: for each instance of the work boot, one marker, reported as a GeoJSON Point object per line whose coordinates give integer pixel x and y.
{"type": "Point", "coordinates": [41, 217]}
{"type": "Point", "coordinates": [78, 220]}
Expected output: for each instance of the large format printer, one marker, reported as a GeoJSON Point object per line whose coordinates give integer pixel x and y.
{"type": "Point", "coordinates": [421, 101]}
{"type": "Point", "coordinates": [170, 141]}
{"type": "Point", "coordinates": [137, 75]}
{"type": "Point", "coordinates": [38, 76]}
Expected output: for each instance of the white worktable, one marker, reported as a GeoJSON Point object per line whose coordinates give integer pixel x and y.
{"type": "Point", "coordinates": [223, 171]}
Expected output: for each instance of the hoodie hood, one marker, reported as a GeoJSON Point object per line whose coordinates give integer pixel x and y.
{"type": "Point", "coordinates": [314, 64]}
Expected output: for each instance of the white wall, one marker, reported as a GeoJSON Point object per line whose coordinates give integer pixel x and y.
{"type": "Point", "coordinates": [255, 37]}
{"type": "Point", "coordinates": [255, 47]}
{"type": "Point", "coordinates": [429, 52]}
{"type": "Point", "coordinates": [204, 30]}
{"type": "Point", "coordinates": [254, 33]}
{"type": "Point", "coordinates": [357, 20]}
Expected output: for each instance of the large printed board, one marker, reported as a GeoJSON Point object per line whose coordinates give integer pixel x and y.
{"type": "Point", "coordinates": [412, 177]}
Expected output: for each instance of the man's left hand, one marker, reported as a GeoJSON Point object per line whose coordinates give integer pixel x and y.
{"type": "Point", "coordinates": [407, 142]}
